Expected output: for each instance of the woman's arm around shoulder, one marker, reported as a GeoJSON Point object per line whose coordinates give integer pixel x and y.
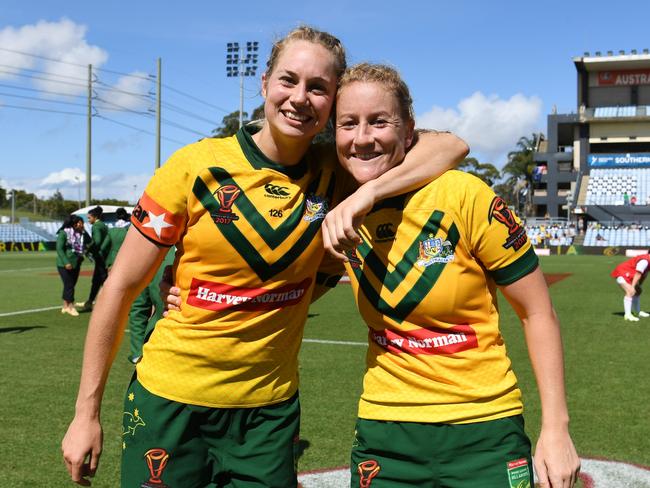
{"type": "Point", "coordinates": [432, 155]}
{"type": "Point", "coordinates": [134, 267]}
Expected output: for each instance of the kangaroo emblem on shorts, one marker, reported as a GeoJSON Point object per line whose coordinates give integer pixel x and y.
{"type": "Point", "coordinates": [131, 422]}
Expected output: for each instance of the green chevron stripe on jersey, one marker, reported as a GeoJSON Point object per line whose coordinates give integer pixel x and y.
{"type": "Point", "coordinates": [272, 237]}
{"type": "Point", "coordinates": [393, 278]}
{"type": "Point", "coordinates": [423, 285]}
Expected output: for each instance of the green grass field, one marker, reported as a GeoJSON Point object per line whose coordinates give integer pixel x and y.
{"type": "Point", "coordinates": [606, 362]}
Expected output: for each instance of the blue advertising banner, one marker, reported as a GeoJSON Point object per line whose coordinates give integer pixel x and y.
{"type": "Point", "coordinates": [619, 160]}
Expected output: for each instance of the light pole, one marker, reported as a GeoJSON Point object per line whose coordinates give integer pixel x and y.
{"type": "Point", "coordinates": [239, 65]}
{"type": "Point", "coordinates": [78, 180]}
{"type": "Point", "coordinates": [13, 205]}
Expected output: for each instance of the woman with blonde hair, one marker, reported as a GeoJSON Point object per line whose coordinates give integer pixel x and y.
{"type": "Point", "coordinates": [214, 401]}
{"type": "Point", "coordinates": [440, 403]}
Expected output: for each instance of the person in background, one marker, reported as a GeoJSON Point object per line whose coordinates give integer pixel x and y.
{"type": "Point", "coordinates": [117, 233]}
{"type": "Point", "coordinates": [101, 249]}
{"type": "Point", "coordinates": [147, 309]}
{"type": "Point", "coordinates": [630, 275]}
{"type": "Point", "coordinates": [71, 243]}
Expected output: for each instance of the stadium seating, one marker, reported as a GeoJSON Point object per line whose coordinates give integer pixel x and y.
{"type": "Point", "coordinates": [49, 227]}
{"type": "Point", "coordinates": [620, 235]}
{"type": "Point", "coordinates": [551, 234]}
{"type": "Point", "coordinates": [610, 112]}
{"type": "Point", "coordinates": [17, 233]}
{"type": "Point", "coordinates": [608, 186]}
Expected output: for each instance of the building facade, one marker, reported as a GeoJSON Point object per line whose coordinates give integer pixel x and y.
{"type": "Point", "coordinates": [607, 137]}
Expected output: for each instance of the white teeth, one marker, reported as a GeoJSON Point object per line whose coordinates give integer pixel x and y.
{"type": "Point", "coordinates": [366, 156]}
{"type": "Point", "coordinates": [295, 116]}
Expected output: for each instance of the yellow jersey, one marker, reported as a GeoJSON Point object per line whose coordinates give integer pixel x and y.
{"type": "Point", "coordinates": [248, 238]}
{"type": "Point", "coordinates": [424, 279]}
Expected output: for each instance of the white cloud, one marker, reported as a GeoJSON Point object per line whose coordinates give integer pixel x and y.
{"type": "Point", "coordinates": [121, 186]}
{"type": "Point", "coordinates": [66, 41]}
{"type": "Point", "coordinates": [63, 40]}
{"type": "Point", "coordinates": [490, 125]}
{"type": "Point", "coordinates": [66, 176]}
{"type": "Point", "coordinates": [71, 182]}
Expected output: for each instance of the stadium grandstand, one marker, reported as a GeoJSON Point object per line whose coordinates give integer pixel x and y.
{"type": "Point", "coordinates": [27, 231]}
{"type": "Point", "coordinates": [594, 165]}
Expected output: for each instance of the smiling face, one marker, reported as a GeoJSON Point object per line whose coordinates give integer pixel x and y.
{"type": "Point", "coordinates": [300, 91]}
{"type": "Point", "coordinates": [372, 134]}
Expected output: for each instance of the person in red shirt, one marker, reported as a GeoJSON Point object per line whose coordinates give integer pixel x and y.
{"type": "Point", "coordinates": [630, 275]}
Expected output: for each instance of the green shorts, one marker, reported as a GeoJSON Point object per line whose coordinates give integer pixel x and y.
{"type": "Point", "coordinates": [166, 444]}
{"type": "Point", "coordinates": [493, 454]}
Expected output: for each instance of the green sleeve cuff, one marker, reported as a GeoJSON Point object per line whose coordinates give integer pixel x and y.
{"type": "Point", "coordinates": [527, 263]}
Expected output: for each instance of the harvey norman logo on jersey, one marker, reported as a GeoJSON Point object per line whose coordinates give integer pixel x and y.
{"type": "Point", "coordinates": [210, 295]}
{"type": "Point", "coordinates": [426, 341]}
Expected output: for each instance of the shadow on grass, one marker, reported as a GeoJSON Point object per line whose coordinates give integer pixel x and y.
{"type": "Point", "coordinates": [312, 315]}
{"type": "Point", "coordinates": [20, 330]}
{"type": "Point", "coordinates": [301, 447]}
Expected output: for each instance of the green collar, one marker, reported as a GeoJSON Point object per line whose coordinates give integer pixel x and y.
{"type": "Point", "coordinates": [259, 160]}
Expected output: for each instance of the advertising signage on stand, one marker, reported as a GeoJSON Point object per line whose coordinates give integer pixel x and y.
{"type": "Point", "coordinates": [629, 160]}
{"type": "Point", "coordinates": [624, 77]}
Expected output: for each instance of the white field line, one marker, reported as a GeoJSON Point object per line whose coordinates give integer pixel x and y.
{"type": "Point", "coordinates": [315, 341]}
{"type": "Point", "coordinates": [22, 270]}
{"type": "Point", "coordinates": [33, 310]}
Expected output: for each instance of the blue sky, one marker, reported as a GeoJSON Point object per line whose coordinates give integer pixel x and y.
{"type": "Point", "coordinates": [490, 71]}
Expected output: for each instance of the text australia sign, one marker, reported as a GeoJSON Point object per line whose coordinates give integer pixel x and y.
{"type": "Point", "coordinates": [624, 77]}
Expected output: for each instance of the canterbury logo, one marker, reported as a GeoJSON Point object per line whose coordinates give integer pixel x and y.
{"type": "Point", "coordinates": [276, 191]}
{"type": "Point", "coordinates": [385, 232]}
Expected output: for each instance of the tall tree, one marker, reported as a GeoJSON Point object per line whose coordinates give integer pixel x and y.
{"type": "Point", "coordinates": [485, 171]}
{"type": "Point", "coordinates": [230, 123]}
{"type": "Point", "coordinates": [519, 171]}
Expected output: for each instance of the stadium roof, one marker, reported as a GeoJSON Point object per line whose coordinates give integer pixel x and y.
{"type": "Point", "coordinates": [613, 62]}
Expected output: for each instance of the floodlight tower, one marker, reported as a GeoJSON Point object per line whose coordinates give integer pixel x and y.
{"type": "Point", "coordinates": [239, 65]}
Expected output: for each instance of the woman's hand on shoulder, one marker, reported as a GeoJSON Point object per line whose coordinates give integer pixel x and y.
{"type": "Point", "coordinates": [340, 227]}
{"type": "Point", "coordinates": [169, 294]}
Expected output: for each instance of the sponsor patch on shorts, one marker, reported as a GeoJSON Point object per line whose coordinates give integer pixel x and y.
{"type": "Point", "coordinates": [518, 473]}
